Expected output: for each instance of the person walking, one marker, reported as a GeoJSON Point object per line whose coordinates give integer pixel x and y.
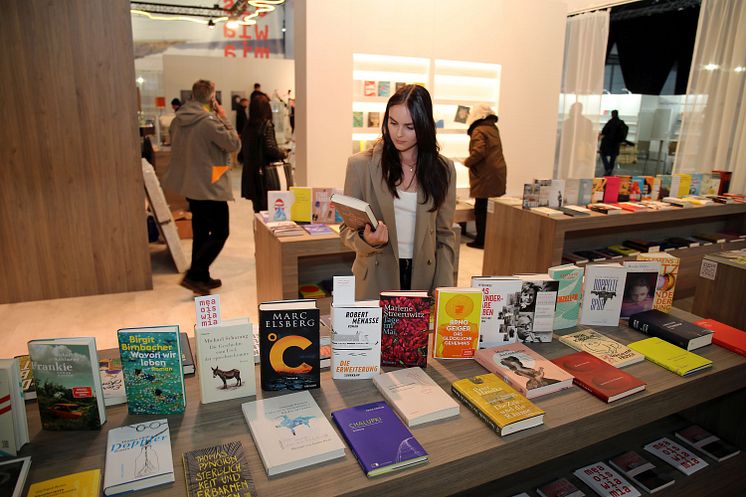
{"type": "Point", "coordinates": [612, 135]}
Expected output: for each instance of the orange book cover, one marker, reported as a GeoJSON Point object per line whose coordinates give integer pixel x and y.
{"type": "Point", "coordinates": [458, 314]}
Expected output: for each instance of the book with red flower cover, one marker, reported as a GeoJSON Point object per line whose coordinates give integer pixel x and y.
{"type": "Point", "coordinates": [598, 377]}
{"type": "Point", "coordinates": [406, 322]}
{"type": "Point", "coordinates": [725, 336]}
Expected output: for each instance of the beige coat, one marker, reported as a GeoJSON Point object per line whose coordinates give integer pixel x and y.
{"type": "Point", "coordinates": [377, 269]}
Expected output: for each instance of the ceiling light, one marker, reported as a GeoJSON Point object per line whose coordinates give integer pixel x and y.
{"type": "Point", "coordinates": [711, 67]}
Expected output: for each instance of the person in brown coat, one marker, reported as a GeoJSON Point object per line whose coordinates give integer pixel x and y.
{"type": "Point", "coordinates": [487, 169]}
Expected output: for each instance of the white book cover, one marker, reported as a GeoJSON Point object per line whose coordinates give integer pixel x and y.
{"type": "Point", "coordinates": [112, 381]}
{"type": "Point", "coordinates": [603, 347]}
{"type": "Point", "coordinates": [537, 304]}
{"type": "Point", "coordinates": [415, 396]}
{"type": "Point", "coordinates": [291, 432]}
{"type": "Point", "coordinates": [138, 456]}
{"type": "Point", "coordinates": [356, 340]}
{"type": "Point", "coordinates": [557, 193]}
{"type": "Point", "coordinates": [677, 456]}
{"type": "Point", "coordinates": [13, 422]}
{"type": "Point", "coordinates": [279, 204]}
{"type": "Point", "coordinates": [605, 481]}
{"type": "Point", "coordinates": [500, 306]}
{"type": "Point", "coordinates": [207, 309]}
{"type": "Point", "coordinates": [572, 191]}
{"type": "Point", "coordinates": [225, 358]}
{"type": "Point", "coordinates": [602, 294]}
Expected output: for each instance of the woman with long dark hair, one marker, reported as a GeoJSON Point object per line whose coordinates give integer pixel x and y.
{"type": "Point", "coordinates": [411, 190]}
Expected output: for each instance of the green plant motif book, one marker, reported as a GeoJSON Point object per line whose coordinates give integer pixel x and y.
{"type": "Point", "coordinates": [151, 359]}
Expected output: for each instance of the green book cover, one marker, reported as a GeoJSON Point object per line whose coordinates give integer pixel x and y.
{"type": "Point", "coordinates": [567, 309]}
{"type": "Point", "coordinates": [151, 359]}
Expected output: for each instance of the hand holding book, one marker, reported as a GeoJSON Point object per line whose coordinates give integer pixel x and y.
{"type": "Point", "coordinates": [377, 237]}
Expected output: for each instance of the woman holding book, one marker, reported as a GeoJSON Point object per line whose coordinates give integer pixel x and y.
{"type": "Point", "coordinates": [411, 190]}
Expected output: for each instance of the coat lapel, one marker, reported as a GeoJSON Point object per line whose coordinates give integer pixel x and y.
{"type": "Point", "coordinates": [385, 199]}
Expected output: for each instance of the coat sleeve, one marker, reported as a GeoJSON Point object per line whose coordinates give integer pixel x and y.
{"type": "Point", "coordinates": [272, 152]}
{"type": "Point", "coordinates": [224, 136]}
{"type": "Point", "coordinates": [352, 239]}
{"type": "Point", "coordinates": [445, 239]}
{"type": "Point", "coordinates": [477, 148]}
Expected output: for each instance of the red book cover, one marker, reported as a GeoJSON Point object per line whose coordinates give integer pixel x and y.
{"type": "Point", "coordinates": [725, 336]}
{"type": "Point", "coordinates": [406, 323]}
{"type": "Point", "coordinates": [598, 377]}
{"type": "Point", "coordinates": [611, 191]}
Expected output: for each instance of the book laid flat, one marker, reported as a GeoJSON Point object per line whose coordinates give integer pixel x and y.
{"type": "Point", "coordinates": [671, 357]}
{"type": "Point", "coordinates": [707, 443]}
{"type": "Point", "coordinates": [725, 336]}
{"type": "Point", "coordinates": [13, 473]}
{"type": "Point", "coordinates": [603, 347]}
{"type": "Point", "coordinates": [355, 212]}
{"type": "Point", "coordinates": [356, 340]}
{"type": "Point", "coordinates": [567, 309]}
{"type": "Point", "coordinates": [291, 432]}
{"type": "Point", "coordinates": [138, 456]}
{"type": "Point", "coordinates": [83, 484]}
{"type": "Point", "coordinates": [220, 470]}
{"type": "Point", "coordinates": [458, 315]}
{"type": "Point", "coordinates": [500, 307]}
{"type": "Point", "coordinates": [406, 323]}
{"type": "Point", "coordinates": [559, 488]}
{"type": "Point", "coordinates": [547, 211]}
{"type": "Point", "coordinates": [641, 471]}
{"type": "Point", "coordinates": [681, 333]}
{"type": "Point", "coordinates": [13, 422]}
{"type": "Point", "coordinates": [623, 250]}
{"type": "Point", "coordinates": [605, 208]}
{"type": "Point", "coordinates": [378, 439]}
{"type": "Point", "coordinates": [598, 377]}
{"type": "Point", "coordinates": [605, 481]}
{"type": "Point", "coordinates": [575, 210]}
{"type": "Point", "coordinates": [677, 456]}
{"type": "Point", "coordinates": [415, 396]}
{"type": "Point", "coordinates": [643, 245]}
{"type": "Point", "coordinates": [524, 369]}
{"type": "Point", "coordinates": [498, 404]}
{"type": "Point", "coordinates": [602, 294]}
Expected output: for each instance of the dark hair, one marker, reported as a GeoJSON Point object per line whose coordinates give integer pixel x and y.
{"type": "Point", "coordinates": [259, 110]}
{"type": "Point", "coordinates": [175, 101]}
{"type": "Point", "coordinates": [257, 85]}
{"type": "Point", "coordinates": [614, 113]}
{"type": "Point", "coordinates": [432, 172]}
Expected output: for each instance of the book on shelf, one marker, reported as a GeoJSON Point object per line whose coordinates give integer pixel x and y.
{"type": "Point", "coordinates": [677, 456]}
{"type": "Point", "coordinates": [322, 209]}
{"type": "Point", "coordinates": [13, 423]}
{"type": "Point", "coordinates": [639, 287]}
{"type": "Point", "coordinates": [357, 119]}
{"type": "Point", "coordinates": [112, 381]}
{"type": "Point", "coordinates": [597, 192]}
{"type": "Point", "coordinates": [710, 184]}
{"type": "Point", "coordinates": [711, 237]}
{"type": "Point", "coordinates": [685, 183]}
{"type": "Point", "coordinates": [68, 385]}
{"type": "Point", "coordinates": [609, 254]}
{"type": "Point", "coordinates": [27, 377]}
{"type": "Point", "coordinates": [698, 200]}
{"type": "Point", "coordinates": [311, 291]}
{"type": "Point", "coordinates": [289, 345]}
{"type": "Point", "coordinates": [677, 202]}
{"type": "Point", "coordinates": [406, 322]}
{"type": "Point", "coordinates": [664, 185]}
{"type": "Point", "coordinates": [355, 212]}
{"type": "Point", "coordinates": [677, 331]}
{"type": "Point", "coordinates": [603, 347]}
{"type": "Point", "coordinates": [547, 211]}
{"type": "Point", "coordinates": [641, 471]}
{"type": "Point", "coordinates": [696, 186]}
{"type": "Point", "coordinates": [681, 242]}
{"type": "Point", "coordinates": [379, 440]}
{"type": "Point", "coordinates": [187, 358]}
{"type": "Point", "coordinates": [585, 193]}
{"type": "Point", "coordinates": [524, 369]}
{"type": "Point", "coordinates": [384, 88]}
{"type": "Point", "coordinates": [575, 210]}
{"type": "Point", "coordinates": [657, 205]}
{"type": "Point", "coordinates": [605, 208]}
{"type": "Point", "coordinates": [318, 229]}
{"type": "Point", "coordinates": [281, 229]}
{"type": "Point", "coordinates": [83, 484]}
{"type": "Point", "coordinates": [611, 189]}
{"type": "Point", "coordinates": [13, 474]}
{"type": "Point", "coordinates": [707, 443]}
{"type": "Point", "coordinates": [591, 255]}
{"type": "Point", "coordinates": [300, 210]}
{"type": "Point", "coordinates": [279, 204]}
{"type": "Point", "coordinates": [649, 188]}
{"type": "Point", "coordinates": [636, 188]}
{"type": "Point", "coordinates": [500, 306]}
{"type": "Point", "coordinates": [572, 192]}
{"type": "Point", "coordinates": [561, 487]}
{"type": "Point", "coordinates": [545, 186]}
{"type": "Point", "coordinates": [138, 456]}
{"type": "Point", "coordinates": [623, 250]}
{"type": "Point", "coordinates": [536, 307]}
{"type": "Point", "coordinates": [598, 377]}
{"type": "Point", "coordinates": [602, 294]}
{"type": "Point", "coordinates": [369, 89]}
{"type": "Point", "coordinates": [725, 336]}
{"type": "Point", "coordinates": [625, 183]}
{"type": "Point", "coordinates": [674, 187]}
{"type": "Point", "coordinates": [415, 396]}
{"type": "Point", "coordinates": [670, 357]}
{"type": "Point", "coordinates": [667, 278]}
{"type": "Point", "coordinates": [497, 403]}
{"type": "Point", "coordinates": [221, 470]}
{"type": "Point", "coordinates": [557, 193]}
{"type": "Point", "coordinates": [356, 340]}
{"type": "Point", "coordinates": [567, 309]}
{"type": "Point", "coordinates": [605, 481]}
{"type": "Point", "coordinates": [458, 315]}
{"type": "Point", "coordinates": [462, 114]}
{"type": "Point", "coordinates": [374, 119]}
{"type": "Point", "coordinates": [574, 259]}
{"type": "Point", "coordinates": [531, 192]}
{"type": "Point", "coordinates": [647, 246]}
{"type": "Point", "coordinates": [291, 432]}
{"type": "Point", "coordinates": [633, 206]}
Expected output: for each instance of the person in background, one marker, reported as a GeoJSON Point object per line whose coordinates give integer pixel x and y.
{"type": "Point", "coordinates": [202, 140]}
{"type": "Point", "coordinates": [259, 149]}
{"type": "Point", "coordinates": [242, 117]}
{"type": "Point", "coordinates": [257, 91]}
{"type": "Point", "coordinates": [175, 104]}
{"type": "Point", "coordinates": [411, 189]}
{"type": "Point", "coordinates": [612, 135]}
{"type": "Point", "coordinates": [486, 163]}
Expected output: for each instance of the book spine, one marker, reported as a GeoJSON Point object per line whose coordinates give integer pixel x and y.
{"type": "Point", "coordinates": [653, 330]}
{"type": "Point", "coordinates": [476, 411]}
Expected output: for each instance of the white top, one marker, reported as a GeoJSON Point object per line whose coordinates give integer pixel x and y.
{"type": "Point", "coordinates": [405, 211]}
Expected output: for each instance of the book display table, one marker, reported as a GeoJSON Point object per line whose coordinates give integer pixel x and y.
{"type": "Point", "coordinates": [464, 451]}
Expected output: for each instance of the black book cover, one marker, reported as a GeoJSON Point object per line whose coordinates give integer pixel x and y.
{"type": "Point", "coordinates": [219, 470]}
{"type": "Point", "coordinates": [187, 358]}
{"type": "Point", "coordinates": [642, 245]}
{"type": "Point", "coordinates": [671, 329]}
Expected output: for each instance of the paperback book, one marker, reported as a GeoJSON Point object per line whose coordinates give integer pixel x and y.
{"type": "Point", "coordinates": [585, 195]}
{"type": "Point", "coordinates": [603, 347]}
{"type": "Point", "coordinates": [458, 314]}
{"type": "Point", "coordinates": [707, 443]}
{"type": "Point", "coordinates": [556, 193]}
{"type": "Point", "coordinates": [13, 474]}
{"type": "Point", "coordinates": [602, 294]}
{"type": "Point", "coordinates": [13, 422]}
{"type": "Point", "coordinates": [559, 488]}
{"type": "Point", "coordinates": [356, 340]}
{"type": "Point", "coordinates": [567, 309]}
{"type": "Point", "coordinates": [641, 471]}
{"type": "Point", "coordinates": [531, 192]}
{"type": "Point", "coordinates": [605, 481]}
{"type": "Point", "coordinates": [677, 456]}
{"type": "Point", "coordinates": [300, 210]}
{"type": "Point", "coordinates": [575, 210]}
{"type": "Point", "coordinates": [279, 204]}
{"type": "Point", "coordinates": [222, 470]}
{"type": "Point", "coordinates": [536, 307]}
{"type": "Point", "coordinates": [500, 309]}
{"type": "Point", "coordinates": [572, 192]}
{"type": "Point", "coordinates": [112, 381]}
{"type": "Point", "coordinates": [639, 287]}
{"type": "Point", "coordinates": [667, 278]}
{"type": "Point", "coordinates": [83, 484]}
{"type": "Point", "coordinates": [611, 189]}
{"type": "Point", "coordinates": [725, 336]}
{"type": "Point", "coordinates": [671, 329]}
{"type": "Point", "coordinates": [597, 193]}
{"type": "Point", "coordinates": [671, 357]}
{"type": "Point", "coordinates": [406, 321]}
{"type": "Point", "coordinates": [322, 209]}
{"type": "Point", "coordinates": [187, 358]}
{"type": "Point", "coordinates": [598, 377]}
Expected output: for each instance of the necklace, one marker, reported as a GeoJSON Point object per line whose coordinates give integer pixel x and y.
{"type": "Point", "coordinates": [410, 166]}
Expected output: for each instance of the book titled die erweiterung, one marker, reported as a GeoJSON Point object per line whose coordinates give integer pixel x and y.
{"type": "Point", "coordinates": [671, 357]}
{"type": "Point", "coordinates": [458, 314]}
{"type": "Point", "coordinates": [220, 470]}
{"type": "Point", "coordinates": [677, 456]}
{"type": "Point", "coordinates": [603, 347]}
{"type": "Point", "coordinates": [406, 320]}
{"type": "Point", "coordinates": [641, 471]}
{"type": "Point", "coordinates": [500, 306]}
{"type": "Point", "coordinates": [356, 340]}
{"type": "Point", "coordinates": [605, 481]}
{"type": "Point", "coordinates": [598, 377]}
{"type": "Point", "coordinates": [567, 310]}
{"type": "Point", "coordinates": [602, 294]}
{"type": "Point", "coordinates": [677, 331]}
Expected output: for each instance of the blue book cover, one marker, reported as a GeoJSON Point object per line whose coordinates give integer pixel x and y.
{"type": "Point", "coordinates": [380, 441]}
{"type": "Point", "coordinates": [152, 364]}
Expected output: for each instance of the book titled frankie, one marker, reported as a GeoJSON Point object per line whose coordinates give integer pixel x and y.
{"type": "Point", "coordinates": [598, 377]}
{"type": "Point", "coordinates": [219, 470]}
{"type": "Point", "coordinates": [677, 331]}
{"type": "Point", "coordinates": [603, 347]}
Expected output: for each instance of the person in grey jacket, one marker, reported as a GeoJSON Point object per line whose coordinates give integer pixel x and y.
{"type": "Point", "coordinates": [202, 140]}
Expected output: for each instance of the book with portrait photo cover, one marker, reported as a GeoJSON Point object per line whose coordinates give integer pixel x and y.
{"type": "Point", "coordinates": [462, 114]}
{"type": "Point", "coordinates": [356, 213]}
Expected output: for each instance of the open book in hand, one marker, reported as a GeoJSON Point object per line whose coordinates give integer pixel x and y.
{"type": "Point", "coordinates": [355, 212]}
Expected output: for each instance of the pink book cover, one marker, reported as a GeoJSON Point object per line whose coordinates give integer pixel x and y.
{"type": "Point", "coordinates": [611, 191]}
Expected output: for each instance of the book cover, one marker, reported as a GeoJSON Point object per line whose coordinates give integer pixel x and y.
{"type": "Point", "coordinates": [300, 210]}
{"type": "Point", "coordinates": [557, 193]}
{"type": "Point", "coordinates": [500, 307]}
{"type": "Point", "coordinates": [291, 432]}
{"type": "Point", "coordinates": [696, 186]}
{"type": "Point", "coordinates": [602, 294]}
{"type": "Point", "coordinates": [623, 250]}
{"type": "Point", "coordinates": [647, 187]}
{"type": "Point", "coordinates": [605, 481]}
{"type": "Point", "coordinates": [322, 210]}
{"type": "Point", "coordinates": [545, 186]}
{"type": "Point", "coordinates": [670, 357]}
{"type": "Point", "coordinates": [725, 336]}
{"type": "Point", "coordinates": [598, 377]}
{"type": "Point", "coordinates": [572, 192]}
{"type": "Point", "coordinates": [153, 379]}
{"type": "Point", "coordinates": [369, 88]}
{"type": "Point", "coordinates": [603, 347]}
{"type": "Point", "coordinates": [677, 456]}
{"type": "Point", "coordinates": [83, 484]}
{"type": "Point", "coordinates": [664, 188]}
{"type": "Point", "coordinates": [458, 315]}
{"type": "Point", "coordinates": [27, 377]}
{"type": "Point", "coordinates": [656, 187]}
{"type": "Point", "coordinates": [221, 470]}
{"type": "Point", "coordinates": [585, 193]}
{"type": "Point", "coordinates": [559, 488]}
{"type": "Point", "coordinates": [674, 186]}
{"type": "Point", "coordinates": [13, 422]}
{"type": "Point", "coordinates": [531, 193]}
{"type": "Point", "coordinates": [226, 361]}
{"type": "Point", "coordinates": [641, 471]}
{"type": "Point", "coordinates": [636, 188]}
{"type": "Point", "coordinates": [611, 189]}
{"type": "Point", "coordinates": [68, 384]}
{"type": "Point", "coordinates": [406, 321]}
{"type": "Point", "coordinates": [318, 229]}
{"type": "Point", "coordinates": [639, 287]}
{"type": "Point", "coordinates": [710, 184]}
{"type": "Point", "coordinates": [597, 193]}
{"type": "Point", "coordinates": [548, 211]}
{"type": "Point", "coordinates": [13, 473]}
{"type": "Point", "coordinates": [374, 119]}
{"type": "Point", "coordinates": [567, 309]}
{"type": "Point", "coordinates": [355, 213]}
{"type": "Point", "coordinates": [591, 255]}
{"type": "Point", "coordinates": [537, 302]}
{"type": "Point", "coordinates": [357, 119]}
{"type": "Point", "coordinates": [279, 204]}
{"type": "Point", "coordinates": [356, 340]}
{"type": "Point", "coordinates": [524, 369]}
{"type": "Point", "coordinates": [384, 88]}
{"type": "Point", "coordinates": [400, 85]}
{"type": "Point", "coordinates": [646, 246]}
{"type": "Point", "coordinates": [608, 209]}
{"type": "Point", "coordinates": [677, 331]}
{"type": "Point", "coordinates": [497, 403]}
{"type": "Point", "coordinates": [415, 396]}
{"type": "Point", "coordinates": [112, 381]}
{"type": "Point", "coordinates": [685, 184]}
{"type": "Point", "coordinates": [575, 211]}
{"type": "Point", "coordinates": [707, 443]}
{"type": "Point", "coordinates": [138, 456]}
{"type": "Point", "coordinates": [462, 114]}
{"type": "Point", "coordinates": [311, 290]}
{"type": "Point", "coordinates": [625, 186]}
{"type": "Point", "coordinates": [667, 278]}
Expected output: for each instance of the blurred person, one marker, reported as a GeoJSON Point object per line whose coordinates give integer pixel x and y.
{"type": "Point", "coordinates": [612, 135]}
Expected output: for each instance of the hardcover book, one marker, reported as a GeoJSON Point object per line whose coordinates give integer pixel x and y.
{"type": "Point", "coordinates": [611, 189]}
{"type": "Point", "coordinates": [641, 471]}
{"type": "Point", "coordinates": [602, 294]}
{"type": "Point", "coordinates": [112, 381]}
{"type": "Point", "coordinates": [27, 377]}
{"type": "Point", "coordinates": [458, 314]}
{"type": "Point", "coordinates": [498, 404]}
{"type": "Point", "coordinates": [605, 481]}
{"type": "Point", "coordinates": [13, 422]}
{"type": "Point", "coordinates": [322, 209]}
{"type": "Point", "coordinates": [572, 192]}
{"type": "Point", "coordinates": [725, 336]}
{"type": "Point", "coordinates": [68, 384]}
{"type": "Point", "coordinates": [500, 307]}
{"type": "Point", "coordinates": [605, 208]}
{"type": "Point", "coordinates": [524, 369]}
{"type": "Point", "coordinates": [671, 357]}
{"type": "Point", "coordinates": [83, 484]}
{"type": "Point", "coordinates": [559, 488]}
{"type": "Point", "coordinates": [591, 255]}
{"type": "Point", "coordinates": [597, 194]}
{"type": "Point", "coordinates": [707, 443]}
{"type": "Point", "coordinates": [547, 211]}
{"type": "Point", "coordinates": [557, 193]}
{"type": "Point", "coordinates": [300, 210]}
{"type": "Point", "coordinates": [291, 432]}
{"type": "Point", "coordinates": [598, 377]}
{"type": "Point", "coordinates": [677, 456]}
{"type": "Point", "coordinates": [531, 192]}
{"type": "Point", "coordinates": [13, 473]}
{"type": "Point", "coordinates": [187, 359]}
{"type": "Point", "coordinates": [625, 185]}
{"type": "Point", "coordinates": [356, 340]}
{"type": "Point", "coordinates": [219, 470]}
{"type": "Point", "coordinates": [639, 287]}
{"type": "Point", "coordinates": [415, 396]}
{"type": "Point", "coordinates": [603, 347]}
{"type": "Point", "coordinates": [406, 321]}
{"type": "Point", "coordinates": [682, 333]}
{"type": "Point", "coordinates": [356, 213]}
{"type": "Point", "coordinates": [153, 379]}
{"type": "Point", "coordinates": [289, 345]}
{"type": "Point", "coordinates": [357, 119]}
{"type": "Point", "coordinates": [138, 456]}
{"type": "Point", "coordinates": [575, 210]}
{"type": "Point", "coordinates": [536, 307]}
{"type": "Point", "coordinates": [667, 278]}
{"type": "Point", "coordinates": [567, 309]}
{"type": "Point", "coordinates": [380, 441]}
{"type": "Point", "coordinates": [279, 204]}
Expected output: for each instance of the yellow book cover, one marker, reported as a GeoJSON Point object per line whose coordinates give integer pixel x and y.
{"type": "Point", "coordinates": [300, 211]}
{"type": "Point", "coordinates": [497, 403]}
{"type": "Point", "coordinates": [458, 314]}
{"type": "Point", "coordinates": [684, 185]}
{"type": "Point", "coordinates": [667, 277]}
{"type": "Point", "coordinates": [84, 484]}
{"type": "Point", "coordinates": [670, 357]}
